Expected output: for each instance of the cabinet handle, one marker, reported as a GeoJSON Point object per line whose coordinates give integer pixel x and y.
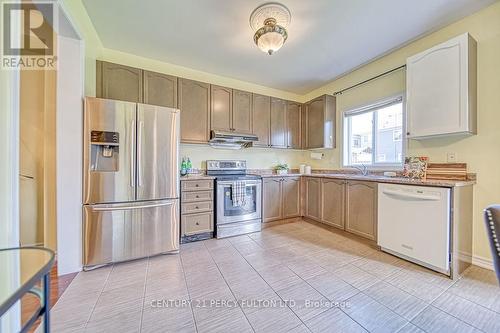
{"type": "Point", "coordinates": [197, 185]}
{"type": "Point", "coordinates": [197, 223]}
{"type": "Point", "coordinates": [196, 207]}
{"type": "Point", "coordinates": [407, 133]}
{"type": "Point", "coordinates": [197, 196]}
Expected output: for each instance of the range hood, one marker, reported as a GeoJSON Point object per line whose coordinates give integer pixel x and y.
{"type": "Point", "coordinates": [231, 140]}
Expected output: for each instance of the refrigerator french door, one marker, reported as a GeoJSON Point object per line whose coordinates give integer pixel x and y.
{"type": "Point", "coordinates": [131, 185]}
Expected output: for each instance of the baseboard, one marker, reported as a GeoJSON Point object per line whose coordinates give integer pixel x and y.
{"type": "Point", "coordinates": [482, 262]}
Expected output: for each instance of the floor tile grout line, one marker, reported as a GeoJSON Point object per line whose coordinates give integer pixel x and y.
{"type": "Point", "coordinates": [227, 284]}
{"type": "Point", "coordinates": [99, 296]}
{"type": "Point", "coordinates": [189, 294]}
{"type": "Point", "coordinates": [411, 323]}
{"type": "Point", "coordinates": [144, 293]}
{"type": "Point", "coordinates": [256, 271]}
{"type": "Point", "coordinates": [472, 301]}
{"type": "Point", "coordinates": [432, 304]}
{"type": "Point", "coordinates": [466, 323]}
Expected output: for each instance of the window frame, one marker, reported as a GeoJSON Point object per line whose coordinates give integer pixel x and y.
{"type": "Point", "coordinates": [369, 107]}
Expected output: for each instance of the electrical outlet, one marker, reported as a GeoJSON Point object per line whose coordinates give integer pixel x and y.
{"type": "Point", "coordinates": [451, 157]}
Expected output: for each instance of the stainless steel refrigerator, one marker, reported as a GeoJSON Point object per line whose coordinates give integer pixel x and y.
{"type": "Point", "coordinates": [131, 181]}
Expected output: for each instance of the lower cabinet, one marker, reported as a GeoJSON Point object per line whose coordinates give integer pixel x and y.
{"type": "Point", "coordinates": [290, 189]}
{"type": "Point", "coordinates": [312, 198]}
{"type": "Point", "coordinates": [272, 200]}
{"type": "Point", "coordinates": [281, 198]}
{"type": "Point", "coordinates": [333, 202]}
{"type": "Point", "coordinates": [361, 209]}
{"type": "Point", "coordinates": [197, 209]}
{"type": "Point", "coordinates": [348, 205]}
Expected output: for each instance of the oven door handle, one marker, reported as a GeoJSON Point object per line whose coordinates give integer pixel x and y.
{"type": "Point", "coordinates": [247, 182]}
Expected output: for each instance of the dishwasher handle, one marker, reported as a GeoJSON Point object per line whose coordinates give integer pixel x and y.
{"type": "Point", "coordinates": [412, 195]}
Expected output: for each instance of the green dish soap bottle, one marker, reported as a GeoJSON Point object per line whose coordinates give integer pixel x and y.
{"type": "Point", "coordinates": [183, 167]}
{"type": "Point", "coordinates": [189, 166]}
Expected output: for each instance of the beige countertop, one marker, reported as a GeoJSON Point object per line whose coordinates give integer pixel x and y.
{"type": "Point", "coordinates": [381, 179]}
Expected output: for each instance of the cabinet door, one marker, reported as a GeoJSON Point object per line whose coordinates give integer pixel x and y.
{"type": "Point", "coordinates": [291, 197]}
{"type": "Point", "coordinates": [278, 123]}
{"type": "Point", "coordinates": [361, 209]}
{"type": "Point", "coordinates": [119, 82]}
{"type": "Point", "coordinates": [222, 105]}
{"type": "Point", "coordinates": [315, 120]}
{"type": "Point", "coordinates": [160, 89]}
{"type": "Point", "coordinates": [272, 199]}
{"type": "Point", "coordinates": [313, 198]}
{"type": "Point", "coordinates": [441, 89]}
{"type": "Point", "coordinates": [332, 202]}
{"type": "Point", "coordinates": [242, 111]}
{"type": "Point", "coordinates": [194, 103]}
{"type": "Point", "coordinates": [261, 119]}
{"type": "Point", "coordinates": [293, 125]}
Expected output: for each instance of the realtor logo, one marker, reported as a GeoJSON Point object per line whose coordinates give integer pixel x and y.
{"type": "Point", "coordinates": [28, 35]}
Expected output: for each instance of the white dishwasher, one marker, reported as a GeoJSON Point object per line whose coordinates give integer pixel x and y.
{"type": "Point", "coordinates": [414, 224]}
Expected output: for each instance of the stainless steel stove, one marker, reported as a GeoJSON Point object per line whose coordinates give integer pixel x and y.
{"type": "Point", "coordinates": [236, 218]}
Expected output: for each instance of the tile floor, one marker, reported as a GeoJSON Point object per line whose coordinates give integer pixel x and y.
{"type": "Point", "coordinates": [294, 277]}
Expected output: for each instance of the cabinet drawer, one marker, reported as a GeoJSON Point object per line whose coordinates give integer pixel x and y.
{"type": "Point", "coordinates": [197, 196]}
{"type": "Point", "coordinates": [197, 223]}
{"type": "Point", "coordinates": [197, 185]}
{"type": "Point", "coordinates": [196, 207]}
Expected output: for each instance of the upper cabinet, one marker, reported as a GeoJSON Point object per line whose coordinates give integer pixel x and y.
{"type": "Point", "coordinates": [231, 110]}
{"type": "Point", "coordinates": [242, 111]}
{"type": "Point", "coordinates": [293, 125]}
{"type": "Point", "coordinates": [278, 123]}
{"type": "Point", "coordinates": [261, 120]}
{"type": "Point", "coordinates": [159, 89]}
{"type": "Point", "coordinates": [441, 89]}
{"type": "Point", "coordinates": [320, 123]}
{"type": "Point", "coordinates": [222, 108]}
{"type": "Point", "coordinates": [124, 83]}
{"type": "Point", "coordinates": [114, 81]}
{"type": "Point", "coordinates": [194, 103]}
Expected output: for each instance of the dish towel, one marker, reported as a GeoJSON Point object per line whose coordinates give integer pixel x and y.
{"type": "Point", "coordinates": [238, 193]}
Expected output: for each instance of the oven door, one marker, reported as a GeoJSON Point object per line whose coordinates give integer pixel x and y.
{"type": "Point", "coordinates": [250, 210]}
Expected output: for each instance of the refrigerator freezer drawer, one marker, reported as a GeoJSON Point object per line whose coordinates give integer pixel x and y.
{"type": "Point", "coordinates": [120, 232]}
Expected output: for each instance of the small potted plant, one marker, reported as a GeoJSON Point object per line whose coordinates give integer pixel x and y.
{"type": "Point", "coordinates": [282, 169]}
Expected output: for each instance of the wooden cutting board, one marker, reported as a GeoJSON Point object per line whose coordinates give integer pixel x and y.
{"type": "Point", "coordinates": [447, 171]}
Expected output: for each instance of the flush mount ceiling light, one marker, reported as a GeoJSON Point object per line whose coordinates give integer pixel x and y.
{"type": "Point", "coordinates": [269, 21]}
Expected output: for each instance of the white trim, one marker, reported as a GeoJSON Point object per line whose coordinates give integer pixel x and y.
{"type": "Point", "coordinates": [483, 262]}
{"type": "Point", "coordinates": [367, 107]}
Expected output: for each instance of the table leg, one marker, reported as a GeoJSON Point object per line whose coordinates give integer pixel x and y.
{"type": "Point", "coordinates": [46, 303]}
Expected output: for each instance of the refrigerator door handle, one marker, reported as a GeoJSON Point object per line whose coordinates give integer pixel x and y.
{"type": "Point", "coordinates": [139, 152]}
{"type": "Point", "coordinates": [131, 207]}
{"type": "Point", "coordinates": [132, 153]}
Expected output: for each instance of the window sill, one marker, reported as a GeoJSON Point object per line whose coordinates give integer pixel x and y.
{"type": "Point", "coordinates": [398, 167]}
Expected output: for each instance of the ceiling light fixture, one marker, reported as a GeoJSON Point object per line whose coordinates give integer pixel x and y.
{"type": "Point", "coordinates": [269, 21]}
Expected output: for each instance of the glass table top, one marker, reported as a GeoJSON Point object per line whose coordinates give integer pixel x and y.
{"type": "Point", "coordinates": [20, 270]}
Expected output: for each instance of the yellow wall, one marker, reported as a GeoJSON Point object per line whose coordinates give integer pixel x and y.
{"type": "Point", "coordinates": [480, 152]}
{"type": "Point", "coordinates": [257, 158]}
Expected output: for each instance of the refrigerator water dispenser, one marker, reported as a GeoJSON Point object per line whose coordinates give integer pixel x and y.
{"type": "Point", "coordinates": [105, 151]}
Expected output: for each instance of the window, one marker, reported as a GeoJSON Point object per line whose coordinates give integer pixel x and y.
{"type": "Point", "coordinates": [373, 135]}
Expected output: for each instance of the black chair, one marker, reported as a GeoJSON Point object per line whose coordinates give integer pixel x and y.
{"type": "Point", "coordinates": [492, 220]}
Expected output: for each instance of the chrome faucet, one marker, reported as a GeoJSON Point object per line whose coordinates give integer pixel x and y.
{"type": "Point", "coordinates": [363, 169]}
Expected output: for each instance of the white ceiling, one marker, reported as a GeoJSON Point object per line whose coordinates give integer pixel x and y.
{"type": "Point", "coordinates": [326, 37]}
